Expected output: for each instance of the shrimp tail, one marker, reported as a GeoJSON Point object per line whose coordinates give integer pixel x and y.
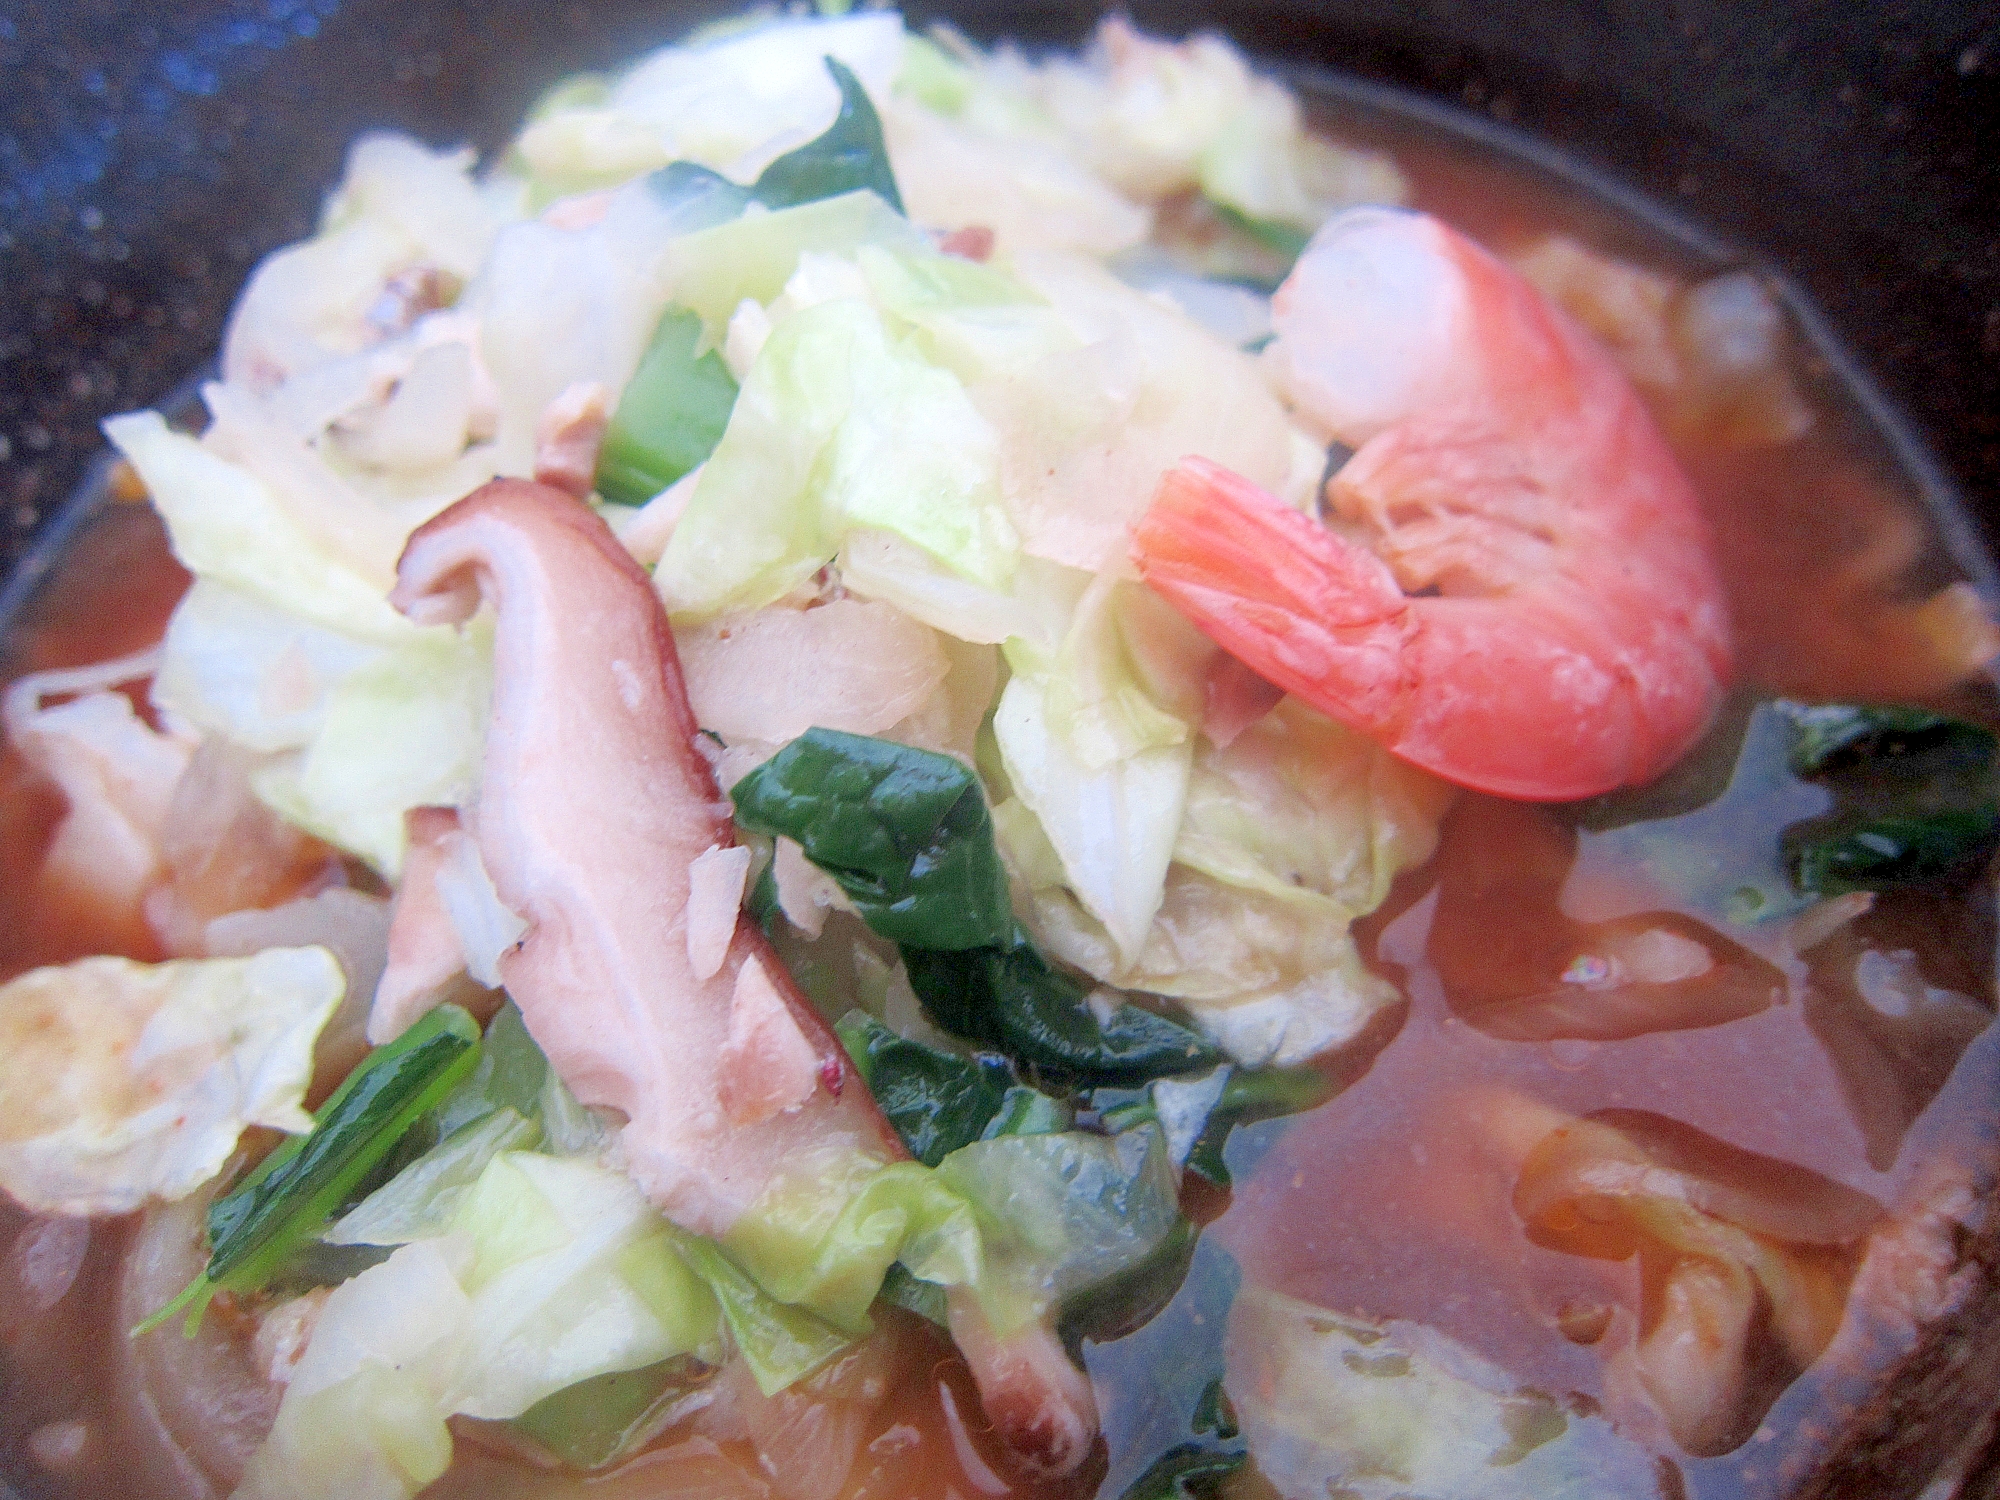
{"type": "Point", "coordinates": [1305, 608]}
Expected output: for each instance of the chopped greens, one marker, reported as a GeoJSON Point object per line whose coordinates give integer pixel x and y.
{"type": "Point", "coordinates": [1010, 997]}
{"type": "Point", "coordinates": [670, 416]}
{"type": "Point", "coordinates": [848, 157]}
{"type": "Point", "coordinates": [674, 409]}
{"type": "Point", "coordinates": [1831, 736]}
{"type": "Point", "coordinates": [907, 835]}
{"type": "Point", "coordinates": [938, 1101]}
{"type": "Point", "coordinates": [285, 1202]}
{"type": "Point", "coordinates": [1132, 1297]}
{"type": "Point", "coordinates": [1857, 852]}
{"type": "Point", "coordinates": [419, 1201]}
{"type": "Point", "coordinates": [1245, 1097]}
{"type": "Point", "coordinates": [1914, 797]}
{"type": "Point", "coordinates": [597, 1422]}
{"type": "Point", "coordinates": [781, 1344]}
{"type": "Point", "coordinates": [904, 832]}
{"type": "Point", "coordinates": [1191, 1471]}
{"type": "Point", "coordinates": [1288, 240]}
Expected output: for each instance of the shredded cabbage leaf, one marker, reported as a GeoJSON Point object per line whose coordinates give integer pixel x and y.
{"type": "Point", "coordinates": [1332, 1403]}
{"type": "Point", "coordinates": [838, 426]}
{"type": "Point", "coordinates": [284, 649]}
{"type": "Point", "coordinates": [1290, 833]}
{"type": "Point", "coordinates": [123, 1082]}
{"type": "Point", "coordinates": [554, 1271]}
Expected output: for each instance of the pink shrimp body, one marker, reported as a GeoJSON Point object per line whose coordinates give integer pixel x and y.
{"type": "Point", "coordinates": [1514, 589]}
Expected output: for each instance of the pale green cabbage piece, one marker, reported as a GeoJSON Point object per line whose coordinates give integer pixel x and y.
{"type": "Point", "coordinates": [839, 426]}
{"type": "Point", "coordinates": [404, 730]}
{"type": "Point", "coordinates": [824, 1234]}
{"type": "Point", "coordinates": [1337, 1404]}
{"type": "Point", "coordinates": [124, 1082]}
{"type": "Point", "coordinates": [421, 1201]}
{"type": "Point", "coordinates": [713, 270]}
{"type": "Point", "coordinates": [549, 1271]}
{"type": "Point", "coordinates": [1112, 826]}
{"type": "Point", "coordinates": [554, 1272]}
{"type": "Point", "coordinates": [283, 649]}
{"type": "Point", "coordinates": [1061, 1212]}
{"type": "Point", "coordinates": [1289, 834]}
{"type": "Point", "coordinates": [1091, 751]}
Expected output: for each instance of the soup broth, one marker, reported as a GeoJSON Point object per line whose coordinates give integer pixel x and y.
{"type": "Point", "coordinates": [1837, 1043]}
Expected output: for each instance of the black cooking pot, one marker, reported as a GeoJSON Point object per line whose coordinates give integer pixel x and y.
{"type": "Point", "coordinates": [150, 154]}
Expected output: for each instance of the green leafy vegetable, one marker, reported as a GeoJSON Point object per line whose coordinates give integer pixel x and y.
{"type": "Point", "coordinates": [1009, 997]}
{"type": "Point", "coordinates": [1026, 1111]}
{"type": "Point", "coordinates": [696, 196]}
{"type": "Point", "coordinates": [924, 1298]}
{"type": "Point", "coordinates": [1066, 1217]}
{"type": "Point", "coordinates": [937, 1101]}
{"type": "Point", "coordinates": [1914, 794]}
{"type": "Point", "coordinates": [781, 1344]}
{"type": "Point", "coordinates": [1190, 1471]}
{"type": "Point", "coordinates": [1249, 1097]}
{"type": "Point", "coordinates": [1849, 853]}
{"type": "Point", "coordinates": [596, 1422]}
{"type": "Point", "coordinates": [1129, 1300]}
{"type": "Point", "coordinates": [1245, 1097]}
{"type": "Point", "coordinates": [904, 832]}
{"type": "Point", "coordinates": [1831, 736]}
{"type": "Point", "coordinates": [420, 1201]}
{"type": "Point", "coordinates": [850, 156]}
{"type": "Point", "coordinates": [510, 1074]}
{"type": "Point", "coordinates": [288, 1199]}
{"type": "Point", "coordinates": [671, 415]}
{"type": "Point", "coordinates": [1288, 240]}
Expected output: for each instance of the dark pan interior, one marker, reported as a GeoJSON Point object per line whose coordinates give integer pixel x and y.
{"type": "Point", "coordinates": [150, 155]}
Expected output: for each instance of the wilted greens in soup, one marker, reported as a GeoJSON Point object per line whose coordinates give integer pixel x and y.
{"type": "Point", "coordinates": [897, 770]}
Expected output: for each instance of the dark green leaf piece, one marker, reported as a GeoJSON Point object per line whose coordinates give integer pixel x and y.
{"type": "Point", "coordinates": [509, 1075]}
{"type": "Point", "coordinates": [904, 832]}
{"type": "Point", "coordinates": [1914, 797]}
{"type": "Point", "coordinates": [297, 1189]}
{"type": "Point", "coordinates": [670, 417]}
{"type": "Point", "coordinates": [937, 1101]}
{"type": "Point", "coordinates": [1698, 778]}
{"type": "Point", "coordinates": [849, 157]}
{"type": "Point", "coordinates": [1191, 1471]}
{"type": "Point", "coordinates": [1215, 1413]}
{"type": "Point", "coordinates": [1249, 1097]}
{"type": "Point", "coordinates": [1120, 1304]}
{"type": "Point", "coordinates": [925, 1299]}
{"type": "Point", "coordinates": [1832, 856]}
{"type": "Point", "coordinates": [1009, 998]}
{"type": "Point", "coordinates": [1834, 735]}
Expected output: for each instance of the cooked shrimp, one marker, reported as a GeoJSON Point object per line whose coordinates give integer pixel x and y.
{"type": "Point", "coordinates": [1514, 589]}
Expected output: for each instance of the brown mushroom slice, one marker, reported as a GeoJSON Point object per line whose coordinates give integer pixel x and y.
{"type": "Point", "coordinates": [594, 804]}
{"type": "Point", "coordinates": [1744, 1260]}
